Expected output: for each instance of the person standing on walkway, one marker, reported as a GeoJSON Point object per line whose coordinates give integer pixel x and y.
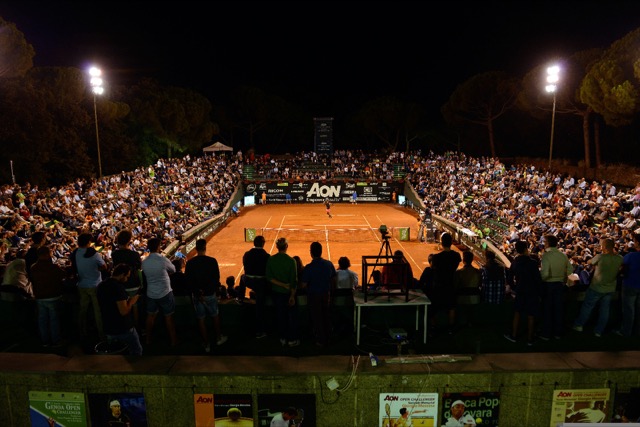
{"type": "Point", "coordinates": [524, 277]}
{"type": "Point", "coordinates": [124, 254]}
{"type": "Point", "coordinates": [156, 269]}
{"type": "Point", "coordinates": [630, 289]}
{"type": "Point", "coordinates": [254, 262]}
{"type": "Point", "coordinates": [203, 274]}
{"type": "Point", "coordinates": [88, 264]}
{"type": "Point", "coordinates": [443, 292]}
{"type": "Point", "coordinates": [282, 273]}
{"type": "Point", "coordinates": [555, 269]}
{"type": "Point", "coordinates": [494, 280]}
{"type": "Point", "coordinates": [602, 287]}
{"type": "Point", "coordinates": [116, 306]}
{"type": "Point", "coordinates": [47, 280]}
{"type": "Point", "coordinates": [319, 278]}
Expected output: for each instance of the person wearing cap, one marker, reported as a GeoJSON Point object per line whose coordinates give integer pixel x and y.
{"type": "Point", "coordinates": [117, 418]}
{"type": "Point", "coordinates": [458, 417]}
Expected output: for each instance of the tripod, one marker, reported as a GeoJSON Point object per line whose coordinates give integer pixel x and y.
{"type": "Point", "coordinates": [385, 247]}
{"type": "Point", "coordinates": [376, 275]}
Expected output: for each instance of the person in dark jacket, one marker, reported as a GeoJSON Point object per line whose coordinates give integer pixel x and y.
{"type": "Point", "coordinates": [254, 262]}
{"type": "Point", "coordinates": [524, 278]}
{"type": "Point", "coordinates": [47, 280]}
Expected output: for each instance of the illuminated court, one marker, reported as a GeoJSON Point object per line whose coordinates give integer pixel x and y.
{"type": "Point", "coordinates": [352, 232]}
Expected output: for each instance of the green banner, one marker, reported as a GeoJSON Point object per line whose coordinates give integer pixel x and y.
{"type": "Point", "coordinates": [249, 234]}
{"type": "Point", "coordinates": [57, 408]}
{"type": "Point", "coordinates": [403, 234]}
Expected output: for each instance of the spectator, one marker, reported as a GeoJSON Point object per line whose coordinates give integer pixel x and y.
{"type": "Point", "coordinates": [180, 285]}
{"type": "Point", "coordinates": [282, 273]}
{"type": "Point", "coordinates": [602, 288]}
{"type": "Point", "coordinates": [88, 264]}
{"type": "Point", "coordinates": [254, 262]}
{"type": "Point", "coordinates": [156, 269]}
{"type": "Point", "coordinates": [494, 280]}
{"type": "Point", "coordinates": [525, 279]}
{"type": "Point", "coordinates": [467, 284]}
{"type": "Point", "coordinates": [48, 289]}
{"type": "Point", "coordinates": [319, 278]}
{"type": "Point", "coordinates": [15, 277]}
{"type": "Point", "coordinates": [116, 307]}
{"type": "Point", "coordinates": [630, 288]}
{"type": "Point", "coordinates": [555, 270]}
{"type": "Point", "coordinates": [38, 239]}
{"type": "Point", "coordinates": [398, 273]}
{"type": "Point", "coordinates": [123, 254]}
{"type": "Point", "coordinates": [444, 265]}
{"type": "Point", "coordinates": [203, 273]}
{"type": "Point", "coordinates": [346, 285]}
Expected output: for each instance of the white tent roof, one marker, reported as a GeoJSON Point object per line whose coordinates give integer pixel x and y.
{"type": "Point", "coordinates": [218, 146]}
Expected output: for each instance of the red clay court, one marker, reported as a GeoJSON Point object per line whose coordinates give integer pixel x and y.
{"type": "Point", "coordinates": [352, 232]}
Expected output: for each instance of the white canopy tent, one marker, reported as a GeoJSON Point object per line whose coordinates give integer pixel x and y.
{"type": "Point", "coordinates": [218, 146]}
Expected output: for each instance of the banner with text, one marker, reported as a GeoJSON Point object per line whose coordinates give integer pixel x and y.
{"type": "Point", "coordinates": [318, 191]}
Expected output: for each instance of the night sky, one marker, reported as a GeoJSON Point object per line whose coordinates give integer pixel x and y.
{"type": "Point", "coordinates": [321, 55]}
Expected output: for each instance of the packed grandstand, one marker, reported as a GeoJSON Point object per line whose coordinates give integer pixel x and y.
{"type": "Point", "coordinates": [498, 202]}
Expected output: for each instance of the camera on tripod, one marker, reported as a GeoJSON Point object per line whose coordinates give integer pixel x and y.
{"type": "Point", "coordinates": [383, 231]}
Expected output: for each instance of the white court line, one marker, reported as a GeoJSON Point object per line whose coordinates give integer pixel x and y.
{"type": "Point", "coordinates": [369, 224]}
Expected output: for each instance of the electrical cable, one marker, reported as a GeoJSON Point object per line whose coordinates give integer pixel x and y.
{"type": "Point", "coordinates": [355, 363]}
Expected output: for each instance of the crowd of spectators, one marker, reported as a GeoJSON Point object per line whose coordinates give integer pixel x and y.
{"type": "Point", "coordinates": [503, 203]}
{"type": "Point", "coordinates": [518, 202]}
{"type": "Point", "coordinates": [498, 202]}
{"type": "Point", "coordinates": [163, 200]}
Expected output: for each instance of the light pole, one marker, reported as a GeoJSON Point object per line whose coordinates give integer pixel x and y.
{"type": "Point", "coordinates": [553, 75]}
{"type": "Point", "coordinates": [97, 89]}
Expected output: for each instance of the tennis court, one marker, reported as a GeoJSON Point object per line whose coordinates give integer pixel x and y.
{"type": "Point", "coordinates": [352, 232]}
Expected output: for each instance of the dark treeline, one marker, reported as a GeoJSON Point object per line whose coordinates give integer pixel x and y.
{"type": "Point", "coordinates": [48, 127]}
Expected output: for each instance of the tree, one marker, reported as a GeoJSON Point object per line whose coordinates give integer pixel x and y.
{"type": "Point", "coordinates": [17, 55]}
{"type": "Point", "coordinates": [389, 121]}
{"type": "Point", "coordinates": [175, 118]}
{"type": "Point", "coordinates": [481, 100]}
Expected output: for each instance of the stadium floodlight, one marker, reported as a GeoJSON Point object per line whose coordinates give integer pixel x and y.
{"type": "Point", "coordinates": [553, 76]}
{"type": "Point", "coordinates": [95, 74]}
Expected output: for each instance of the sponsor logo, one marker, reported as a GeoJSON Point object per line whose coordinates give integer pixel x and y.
{"type": "Point", "coordinates": [350, 185]}
{"type": "Point", "coordinates": [324, 190]}
{"type": "Point", "coordinates": [368, 190]}
{"type": "Point", "coordinates": [251, 188]}
{"type": "Point", "coordinates": [263, 186]}
{"type": "Point", "coordinates": [283, 184]}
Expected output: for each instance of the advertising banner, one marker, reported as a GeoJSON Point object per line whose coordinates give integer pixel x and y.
{"type": "Point", "coordinates": [580, 406]}
{"type": "Point", "coordinates": [471, 408]}
{"type": "Point", "coordinates": [223, 410]}
{"type": "Point", "coordinates": [115, 409]}
{"type": "Point", "coordinates": [318, 191]}
{"type": "Point", "coordinates": [57, 408]}
{"type": "Point", "coordinates": [293, 410]}
{"type": "Point", "coordinates": [408, 409]}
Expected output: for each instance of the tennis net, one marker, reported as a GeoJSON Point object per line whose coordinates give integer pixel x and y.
{"type": "Point", "coordinates": [343, 234]}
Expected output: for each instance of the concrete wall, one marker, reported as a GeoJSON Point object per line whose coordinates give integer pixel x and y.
{"type": "Point", "coordinates": [525, 381]}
